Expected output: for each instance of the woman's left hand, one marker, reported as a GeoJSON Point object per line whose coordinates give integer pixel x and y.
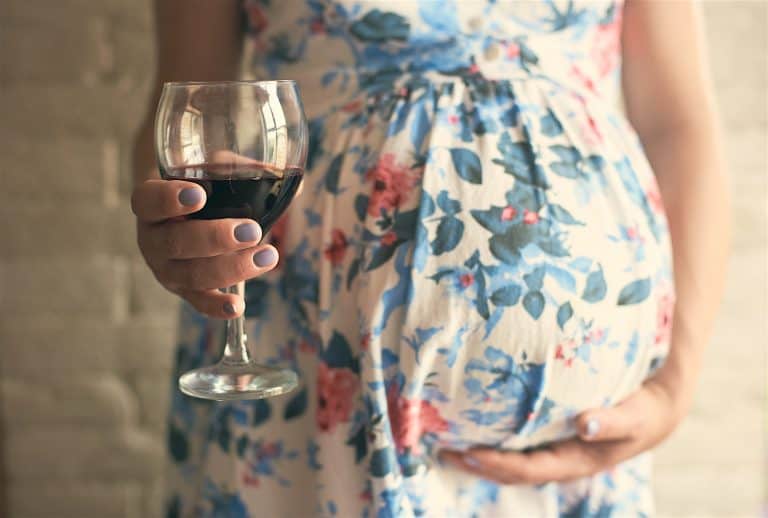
{"type": "Point", "coordinates": [607, 436]}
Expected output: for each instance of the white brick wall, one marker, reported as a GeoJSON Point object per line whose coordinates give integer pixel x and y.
{"type": "Point", "coordinates": [86, 335]}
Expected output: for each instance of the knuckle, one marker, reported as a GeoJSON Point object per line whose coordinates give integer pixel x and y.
{"type": "Point", "coordinates": [244, 267]}
{"type": "Point", "coordinates": [219, 237]}
{"type": "Point", "coordinates": [173, 247]}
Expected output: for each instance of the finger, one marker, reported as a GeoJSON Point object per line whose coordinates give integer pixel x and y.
{"type": "Point", "coordinates": [188, 239]}
{"type": "Point", "coordinates": [218, 272]}
{"type": "Point", "coordinates": [214, 303]}
{"type": "Point", "coordinates": [622, 421]}
{"type": "Point", "coordinates": [564, 461]}
{"type": "Point", "coordinates": [158, 200]}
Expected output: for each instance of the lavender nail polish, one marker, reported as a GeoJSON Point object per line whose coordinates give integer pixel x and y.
{"type": "Point", "coordinates": [247, 232]}
{"type": "Point", "coordinates": [190, 196]}
{"type": "Point", "coordinates": [229, 308]}
{"type": "Point", "coordinates": [266, 257]}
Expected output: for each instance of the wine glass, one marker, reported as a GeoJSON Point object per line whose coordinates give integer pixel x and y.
{"type": "Point", "coordinates": [245, 143]}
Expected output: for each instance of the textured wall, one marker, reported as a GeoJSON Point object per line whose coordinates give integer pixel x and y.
{"type": "Point", "coordinates": [86, 335]}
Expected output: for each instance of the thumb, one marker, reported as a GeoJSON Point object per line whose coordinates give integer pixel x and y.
{"type": "Point", "coordinates": [613, 423]}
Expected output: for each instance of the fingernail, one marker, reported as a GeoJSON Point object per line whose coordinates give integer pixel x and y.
{"type": "Point", "coordinates": [190, 196]}
{"type": "Point", "coordinates": [229, 308]}
{"type": "Point", "coordinates": [247, 232]}
{"type": "Point", "coordinates": [470, 461]}
{"type": "Point", "coordinates": [265, 257]}
{"type": "Point", "coordinates": [593, 426]}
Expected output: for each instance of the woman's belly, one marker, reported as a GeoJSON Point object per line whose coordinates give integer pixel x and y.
{"type": "Point", "coordinates": [486, 285]}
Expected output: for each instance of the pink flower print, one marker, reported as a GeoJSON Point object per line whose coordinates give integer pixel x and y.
{"type": "Point", "coordinates": [317, 26]}
{"type": "Point", "coordinates": [606, 46]}
{"type": "Point", "coordinates": [508, 213]}
{"type": "Point", "coordinates": [257, 19]}
{"type": "Point", "coordinates": [392, 184]}
{"type": "Point", "coordinates": [513, 51]}
{"type": "Point", "coordinates": [389, 238]}
{"type": "Point", "coordinates": [336, 389]}
{"type": "Point", "coordinates": [466, 280]}
{"type": "Point", "coordinates": [410, 419]}
{"type": "Point", "coordinates": [338, 247]}
{"type": "Point", "coordinates": [530, 217]}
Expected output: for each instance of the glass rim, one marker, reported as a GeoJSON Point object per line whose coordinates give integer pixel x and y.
{"type": "Point", "coordinates": [242, 82]}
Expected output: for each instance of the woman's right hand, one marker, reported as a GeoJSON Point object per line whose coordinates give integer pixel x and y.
{"type": "Point", "coordinates": [194, 258]}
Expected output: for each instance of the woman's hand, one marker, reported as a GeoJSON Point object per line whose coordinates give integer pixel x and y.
{"type": "Point", "coordinates": [607, 436]}
{"type": "Point", "coordinates": [193, 258]}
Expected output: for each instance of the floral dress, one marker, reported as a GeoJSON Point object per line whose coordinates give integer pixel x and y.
{"type": "Point", "coordinates": [479, 253]}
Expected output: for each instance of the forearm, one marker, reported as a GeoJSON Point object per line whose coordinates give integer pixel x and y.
{"type": "Point", "coordinates": [688, 163]}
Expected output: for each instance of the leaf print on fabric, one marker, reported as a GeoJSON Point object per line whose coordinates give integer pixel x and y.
{"type": "Point", "coordinates": [261, 411]}
{"type": "Point", "coordinates": [497, 378]}
{"type": "Point", "coordinates": [563, 277]}
{"type": "Point", "coordinates": [377, 26]}
{"type": "Point", "coordinates": [448, 235]}
{"type": "Point", "coordinates": [177, 443]}
{"type": "Point", "coordinates": [297, 405]}
{"type": "Point", "coordinates": [595, 288]}
{"type": "Point", "coordinates": [332, 175]}
{"type": "Point", "coordinates": [534, 302]}
{"type": "Point", "coordinates": [535, 279]}
{"type": "Point", "coordinates": [383, 462]}
{"type": "Point", "coordinates": [564, 314]}
{"type": "Point", "coordinates": [467, 165]}
{"type": "Point", "coordinates": [420, 126]}
{"type": "Point", "coordinates": [518, 159]}
{"type": "Point", "coordinates": [635, 292]}
{"type": "Point", "coordinates": [560, 214]}
{"type": "Point", "coordinates": [417, 341]}
{"type": "Point", "coordinates": [497, 220]}
{"type": "Point", "coordinates": [338, 354]}
{"type": "Point", "coordinates": [550, 126]}
{"type": "Point", "coordinates": [507, 296]}
{"type": "Point", "coordinates": [256, 297]}
{"type": "Point", "coordinates": [222, 503]}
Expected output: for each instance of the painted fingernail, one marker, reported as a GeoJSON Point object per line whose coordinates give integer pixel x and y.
{"type": "Point", "coordinates": [229, 308]}
{"type": "Point", "coordinates": [266, 257]}
{"type": "Point", "coordinates": [190, 196]}
{"type": "Point", "coordinates": [593, 426]}
{"type": "Point", "coordinates": [247, 232]}
{"type": "Point", "coordinates": [470, 461]}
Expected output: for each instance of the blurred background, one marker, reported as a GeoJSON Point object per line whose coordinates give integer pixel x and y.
{"type": "Point", "coordinates": [86, 334]}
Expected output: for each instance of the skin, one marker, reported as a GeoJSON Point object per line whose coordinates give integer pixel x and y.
{"type": "Point", "coordinates": [669, 102]}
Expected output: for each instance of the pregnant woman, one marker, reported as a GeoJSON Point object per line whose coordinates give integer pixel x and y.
{"type": "Point", "coordinates": [476, 283]}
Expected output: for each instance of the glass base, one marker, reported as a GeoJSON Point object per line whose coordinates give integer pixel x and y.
{"type": "Point", "coordinates": [228, 382]}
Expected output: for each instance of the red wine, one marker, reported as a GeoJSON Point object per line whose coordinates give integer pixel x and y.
{"type": "Point", "coordinates": [246, 192]}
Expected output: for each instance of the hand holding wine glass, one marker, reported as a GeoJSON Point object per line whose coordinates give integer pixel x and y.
{"type": "Point", "coordinates": [192, 258]}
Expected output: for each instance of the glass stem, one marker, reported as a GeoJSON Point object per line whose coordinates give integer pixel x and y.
{"type": "Point", "coordinates": [236, 349]}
